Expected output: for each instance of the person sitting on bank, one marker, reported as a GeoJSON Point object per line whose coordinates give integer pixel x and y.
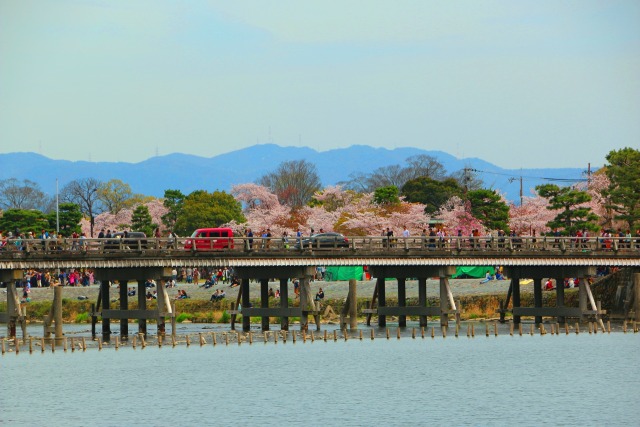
{"type": "Point", "coordinates": [271, 294]}
{"type": "Point", "coordinates": [215, 296]}
{"type": "Point", "coordinates": [149, 296]}
{"type": "Point", "coordinates": [131, 292]}
{"type": "Point", "coordinates": [548, 286]}
{"type": "Point", "coordinates": [487, 277]}
{"type": "Point", "coordinates": [320, 295]}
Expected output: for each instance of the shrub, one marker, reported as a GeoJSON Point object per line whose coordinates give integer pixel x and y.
{"type": "Point", "coordinates": [224, 317]}
{"type": "Point", "coordinates": [82, 317]}
{"type": "Point", "coordinates": [182, 317]}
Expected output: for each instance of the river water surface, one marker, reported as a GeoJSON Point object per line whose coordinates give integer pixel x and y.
{"type": "Point", "coordinates": [568, 380]}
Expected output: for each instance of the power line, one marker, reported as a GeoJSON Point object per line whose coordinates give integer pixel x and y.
{"type": "Point", "coordinates": [532, 177]}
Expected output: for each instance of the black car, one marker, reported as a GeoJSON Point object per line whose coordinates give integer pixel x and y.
{"type": "Point", "coordinates": [323, 241]}
{"type": "Point", "coordinates": [130, 240]}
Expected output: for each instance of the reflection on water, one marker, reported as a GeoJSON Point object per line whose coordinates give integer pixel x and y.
{"type": "Point", "coordinates": [531, 380]}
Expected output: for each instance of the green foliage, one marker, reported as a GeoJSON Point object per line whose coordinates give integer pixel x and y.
{"type": "Point", "coordinates": [173, 201]}
{"type": "Point", "coordinates": [182, 317]}
{"type": "Point", "coordinates": [573, 215]}
{"type": "Point", "coordinates": [489, 208]}
{"type": "Point", "coordinates": [623, 172]}
{"type": "Point", "coordinates": [141, 220]}
{"type": "Point", "coordinates": [225, 317]}
{"type": "Point", "coordinates": [82, 318]}
{"type": "Point", "coordinates": [430, 192]}
{"type": "Point", "coordinates": [115, 195]}
{"type": "Point", "coordinates": [386, 195]}
{"type": "Point", "coordinates": [23, 220]}
{"type": "Point", "coordinates": [203, 209]}
{"type": "Point", "coordinates": [69, 216]}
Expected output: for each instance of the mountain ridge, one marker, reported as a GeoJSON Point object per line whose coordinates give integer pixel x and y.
{"type": "Point", "coordinates": [188, 172]}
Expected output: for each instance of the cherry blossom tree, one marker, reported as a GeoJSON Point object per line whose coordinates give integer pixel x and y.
{"type": "Point", "coordinates": [456, 215]}
{"type": "Point", "coordinates": [532, 216]}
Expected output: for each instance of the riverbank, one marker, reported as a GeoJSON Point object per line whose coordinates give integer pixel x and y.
{"type": "Point", "coordinates": [477, 300]}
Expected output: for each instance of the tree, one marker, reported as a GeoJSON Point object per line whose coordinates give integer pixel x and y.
{"type": "Point", "coordinates": [21, 195]}
{"type": "Point", "coordinates": [115, 195]}
{"type": "Point", "coordinates": [294, 182]}
{"type": "Point", "coordinates": [173, 201]}
{"type": "Point", "coordinates": [421, 165]}
{"type": "Point", "coordinates": [202, 209]}
{"type": "Point", "coordinates": [83, 192]}
{"type": "Point", "coordinates": [574, 215]}
{"type": "Point", "coordinates": [68, 219]}
{"type": "Point", "coordinates": [430, 192]}
{"type": "Point", "coordinates": [456, 216]}
{"type": "Point", "coordinates": [490, 208]}
{"type": "Point", "coordinates": [623, 172]}
{"type": "Point", "coordinates": [23, 220]}
{"type": "Point", "coordinates": [468, 179]}
{"type": "Point", "coordinates": [386, 195]}
{"type": "Point", "coordinates": [141, 220]}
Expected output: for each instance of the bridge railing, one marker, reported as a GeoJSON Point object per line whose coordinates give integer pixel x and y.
{"type": "Point", "coordinates": [355, 244]}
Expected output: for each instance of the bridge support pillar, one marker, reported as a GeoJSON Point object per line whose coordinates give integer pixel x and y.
{"type": "Point", "coordinates": [515, 291]}
{"type": "Point", "coordinates": [382, 300]}
{"type": "Point", "coordinates": [284, 302]}
{"type": "Point", "coordinates": [124, 305]}
{"type": "Point", "coordinates": [537, 297]}
{"type": "Point", "coordinates": [402, 300]}
{"type": "Point", "coordinates": [264, 302]}
{"type": "Point", "coordinates": [142, 305]}
{"type": "Point", "coordinates": [422, 299]}
{"type": "Point", "coordinates": [636, 287]}
{"type": "Point", "coordinates": [246, 303]}
{"type": "Point", "coordinates": [582, 298]}
{"type": "Point", "coordinates": [560, 297]}
{"type": "Point", "coordinates": [444, 298]}
{"type": "Point", "coordinates": [106, 322]}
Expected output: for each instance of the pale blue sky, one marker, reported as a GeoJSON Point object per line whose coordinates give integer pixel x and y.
{"type": "Point", "coordinates": [518, 83]}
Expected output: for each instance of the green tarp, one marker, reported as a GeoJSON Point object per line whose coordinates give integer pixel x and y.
{"type": "Point", "coordinates": [477, 271]}
{"type": "Point", "coordinates": [343, 273]}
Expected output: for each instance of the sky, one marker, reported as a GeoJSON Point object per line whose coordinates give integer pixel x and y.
{"type": "Point", "coordinates": [520, 84]}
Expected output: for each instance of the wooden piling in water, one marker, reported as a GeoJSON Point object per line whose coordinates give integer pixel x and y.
{"type": "Point", "coordinates": [226, 339]}
{"type": "Point", "coordinates": [413, 333]}
{"type": "Point", "coordinates": [433, 332]}
{"type": "Point", "coordinates": [173, 340]}
{"type": "Point", "coordinates": [335, 335]}
{"type": "Point", "coordinates": [577, 328]}
{"type": "Point", "coordinates": [250, 337]}
{"type": "Point", "coordinates": [520, 329]}
{"type": "Point", "coordinates": [42, 344]}
{"type": "Point", "coordinates": [30, 345]}
{"type": "Point", "coordinates": [486, 326]}
{"type": "Point", "coordinates": [468, 331]}
{"type": "Point", "coordinates": [387, 333]}
{"type": "Point", "coordinates": [3, 349]}
{"type": "Point", "coordinates": [590, 328]}
{"type": "Point", "coordinates": [16, 343]}
{"type": "Point", "coordinates": [275, 338]}
{"type": "Point", "coordinates": [133, 341]}
{"type": "Point", "coordinates": [511, 328]}
{"type": "Point", "coordinates": [531, 330]}
{"type": "Point", "coordinates": [84, 344]}
{"type": "Point", "coordinates": [566, 328]}
{"type": "Point", "coordinates": [457, 329]}
{"type": "Point", "coordinates": [100, 343]}
{"type": "Point", "coordinates": [372, 335]}
{"type": "Point", "coordinates": [344, 333]}
{"type": "Point", "coordinates": [495, 329]}
{"type": "Point", "coordinates": [293, 333]}
{"type": "Point", "coordinates": [361, 335]}
{"type": "Point", "coordinates": [187, 340]}
{"type": "Point", "coordinates": [313, 337]}
{"type": "Point", "coordinates": [444, 331]}
{"type": "Point", "coordinates": [73, 345]}
{"type": "Point", "coordinates": [473, 330]}
{"type": "Point", "coordinates": [422, 332]}
{"type": "Point", "coordinates": [117, 343]}
{"type": "Point", "coordinates": [398, 333]}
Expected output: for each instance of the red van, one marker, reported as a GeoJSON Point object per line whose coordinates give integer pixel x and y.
{"type": "Point", "coordinates": [210, 239]}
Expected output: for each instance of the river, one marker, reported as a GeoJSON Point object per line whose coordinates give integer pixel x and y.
{"type": "Point", "coordinates": [570, 380]}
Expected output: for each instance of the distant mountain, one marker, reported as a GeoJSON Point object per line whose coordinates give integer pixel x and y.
{"type": "Point", "coordinates": [188, 173]}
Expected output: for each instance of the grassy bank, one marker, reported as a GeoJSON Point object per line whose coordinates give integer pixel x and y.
{"type": "Point", "coordinates": [203, 311]}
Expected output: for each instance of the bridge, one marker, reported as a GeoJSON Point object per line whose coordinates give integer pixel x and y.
{"type": "Point", "coordinates": [401, 258]}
